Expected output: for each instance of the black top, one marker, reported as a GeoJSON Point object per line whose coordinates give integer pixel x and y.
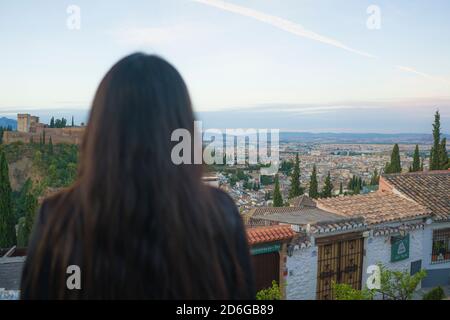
{"type": "Point", "coordinates": [235, 226]}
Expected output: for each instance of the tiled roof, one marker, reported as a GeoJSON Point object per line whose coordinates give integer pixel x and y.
{"type": "Point", "coordinates": [303, 216]}
{"type": "Point", "coordinates": [377, 207]}
{"type": "Point", "coordinates": [259, 235]}
{"type": "Point", "coordinates": [429, 188]}
{"type": "Point", "coordinates": [302, 201]}
{"type": "Point", "coordinates": [261, 211]}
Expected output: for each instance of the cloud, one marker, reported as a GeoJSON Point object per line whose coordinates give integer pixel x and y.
{"type": "Point", "coordinates": [422, 74]}
{"type": "Point", "coordinates": [282, 24]}
{"type": "Point", "coordinates": [301, 31]}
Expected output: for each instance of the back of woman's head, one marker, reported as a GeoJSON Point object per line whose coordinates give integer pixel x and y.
{"type": "Point", "coordinates": [140, 225]}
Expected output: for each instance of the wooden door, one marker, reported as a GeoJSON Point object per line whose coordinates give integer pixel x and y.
{"type": "Point", "coordinates": [341, 262]}
{"type": "Point", "coordinates": [266, 268]}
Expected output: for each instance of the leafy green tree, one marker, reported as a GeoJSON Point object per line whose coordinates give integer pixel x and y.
{"type": "Point", "coordinates": [277, 197]}
{"type": "Point", "coordinates": [296, 189]}
{"type": "Point", "coordinates": [344, 291]}
{"type": "Point", "coordinates": [399, 285]}
{"type": "Point", "coordinates": [7, 221]}
{"type": "Point", "coordinates": [327, 190]}
{"type": "Point", "coordinates": [394, 285]}
{"type": "Point", "coordinates": [435, 149]}
{"type": "Point", "coordinates": [271, 293]}
{"type": "Point", "coordinates": [313, 185]}
{"type": "Point", "coordinates": [434, 294]}
{"type": "Point", "coordinates": [416, 160]}
{"type": "Point", "coordinates": [286, 167]}
{"type": "Point", "coordinates": [395, 165]}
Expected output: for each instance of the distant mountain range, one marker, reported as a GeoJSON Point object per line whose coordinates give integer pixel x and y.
{"type": "Point", "coordinates": [5, 122]}
{"type": "Point", "coordinates": [330, 137]}
{"type": "Point", "coordinates": [325, 137]}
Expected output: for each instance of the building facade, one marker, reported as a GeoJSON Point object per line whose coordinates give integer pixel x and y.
{"type": "Point", "coordinates": [29, 130]}
{"type": "Point", "coordinates": [404, 226]}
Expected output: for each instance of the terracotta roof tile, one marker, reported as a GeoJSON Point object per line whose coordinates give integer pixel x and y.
{"type": "Point", "coordinates": [429, 188]}
{"type": "Point", "coordinates": [377, 207]}
{"type": "Point", "coordinates": [259, 235]}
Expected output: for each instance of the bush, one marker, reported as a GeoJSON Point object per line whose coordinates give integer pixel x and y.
{"type": "Point", "coordinates": [271, 293]}
{"type": "Point", "coordinates": [434, 294]}
{"type": "Point", "coordinates": [343, 291]}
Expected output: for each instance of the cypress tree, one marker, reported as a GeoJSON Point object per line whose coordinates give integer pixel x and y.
{"type": "Point", "coordinates": [416, 160]}
{"type": "Point", "coordinates": [31, 205]}
{"type": "Point", "coordinates": [395, 165]}
{"type": "Point", "coordinates": [50, 146]}
{"type": "Point", "coordinates": [327, 190]}
{"type": "Point", "coordinates": [443, 156]}
{"type": "Point", "coordinates": [296, 189]}
{"type": "Point", "coordinates": [421, 165]}
{"type": "Point", "coordinates": [52, 122]}
{"type": "Point", "coordinates": [341, 188]}
{"type": "Point", "coordinates": [22, 238]}
{"type": "Point", "coordinates": [277, 197]}
{"type": "Point", "coordinates": [7, 220]}
{"type": "Point", "coordinates": [435, 149]}
{"type": "Point", "coordinates": [73, 124]}
{"type": "Point", "coordinates": [313, 185]}
{"type": "Point", "coordinates": [375, 178]}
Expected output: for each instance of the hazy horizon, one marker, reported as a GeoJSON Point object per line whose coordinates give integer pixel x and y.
{"type": "Point", "coordinates": [293, 65]}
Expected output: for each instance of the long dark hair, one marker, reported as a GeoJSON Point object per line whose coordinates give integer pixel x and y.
{"type": "Point", "coordinates": [138, 225]}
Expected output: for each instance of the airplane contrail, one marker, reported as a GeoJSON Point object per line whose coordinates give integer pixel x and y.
{"type": "Point", "coordinates": [299, 30]}
{"type": "Point", "coordinates": [282, 24]}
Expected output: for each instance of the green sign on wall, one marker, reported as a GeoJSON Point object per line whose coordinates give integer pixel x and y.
{"type": "Point", "coordinates": [399, 248]}
{"type": "Point", "coordinates": [265, 249]}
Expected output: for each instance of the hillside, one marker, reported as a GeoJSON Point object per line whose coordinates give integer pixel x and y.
{"type": "Point", "coordinates": [46, 166]}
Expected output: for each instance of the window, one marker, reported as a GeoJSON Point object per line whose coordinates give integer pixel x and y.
{"type": "Point", "coordinates": [441, 246]}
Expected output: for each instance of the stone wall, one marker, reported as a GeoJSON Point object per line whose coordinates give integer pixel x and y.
{"type": "Point", "coordinates": [71, 135]}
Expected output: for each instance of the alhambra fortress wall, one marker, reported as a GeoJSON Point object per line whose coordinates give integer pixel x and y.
{"type": "Point", "coordinates": [30, 130]}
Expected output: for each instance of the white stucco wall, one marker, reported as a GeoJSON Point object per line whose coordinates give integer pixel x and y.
{"type": "Point", "coordinates": [302, 274]}
{"type": "Point", "coordinates": [378, 250]}
{"type": "Point", "coordinates": [428, 246]}
{"type": "Point", "coordinates": [302, 265]}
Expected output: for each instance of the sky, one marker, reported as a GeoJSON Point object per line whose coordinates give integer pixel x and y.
{"type": "Point", "coordinates": [295, 65]}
